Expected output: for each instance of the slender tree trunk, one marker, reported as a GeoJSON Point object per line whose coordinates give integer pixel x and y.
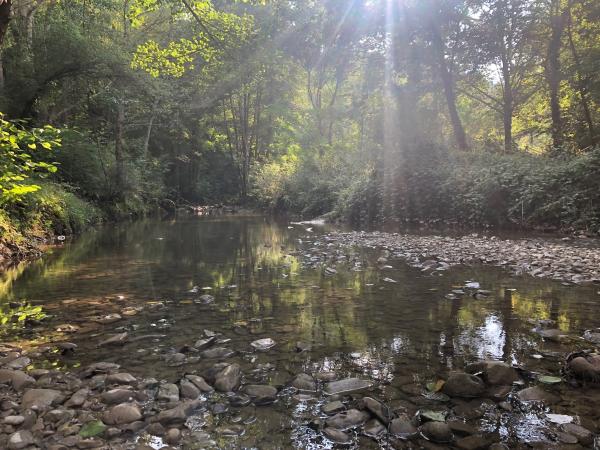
{"type": "Point", "coordinates": [149, 129]}
{"type": "Point", "coordinates": [507, 107]}
{"type": "Point", "coordinates": [119, 156]}
{"type": "Point", "coordinates": [553, 77]}
{"type": "Point", "coordinates": [459, 132]}
{"type": "Point", "coordinates": [1, 71]}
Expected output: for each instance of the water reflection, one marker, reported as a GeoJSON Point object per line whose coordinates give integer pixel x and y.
{"type": "Point", "coordinates": [354, 321]}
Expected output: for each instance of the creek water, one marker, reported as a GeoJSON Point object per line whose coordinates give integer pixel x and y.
{"type": "Point", "coordinates": [399, 335]}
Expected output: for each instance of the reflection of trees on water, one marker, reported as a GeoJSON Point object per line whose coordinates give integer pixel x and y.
{"type": "Point", "coordinates": [390, 324]}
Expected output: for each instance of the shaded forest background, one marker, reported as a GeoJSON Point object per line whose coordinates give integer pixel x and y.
{"type": "Point", "coordinates": [480, 112]}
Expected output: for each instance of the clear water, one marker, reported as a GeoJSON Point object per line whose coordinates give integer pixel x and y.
{"type": "Point", "coordinates": [401, 335]}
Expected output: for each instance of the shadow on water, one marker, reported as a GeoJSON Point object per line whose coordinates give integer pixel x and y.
{"type": "Point", "coordinates": [402, 335]}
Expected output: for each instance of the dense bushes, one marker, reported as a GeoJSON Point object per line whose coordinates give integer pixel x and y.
{"type": "Point", "coordinates": [433, 185]}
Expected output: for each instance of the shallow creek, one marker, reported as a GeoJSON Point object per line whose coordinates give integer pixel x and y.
{"type": "Point", "coordinates": [358, 315]}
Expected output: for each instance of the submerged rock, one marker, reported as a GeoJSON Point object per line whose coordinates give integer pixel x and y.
{"type": "Point", "coordinates": [403, 427]}
{"type": "Point", "coordinates": [347, 386]}
{"type": "Point", "coordinates": [263, 344]}
{"type": "Point", "coordinates": [347, 419]}
{"type": "Point", "coordinates": [218, 353]}
{"type": "Point", "coordinates": [438, 432]}
{"type": "Point", "coordinates": [333, 407]}
{"type": "Point", "coordinates": [337, 436]}
{"type": "Point", "coordinates": [304, 382]}
{"type": "Point", "coordinates": [228, 379]}
{"type": "Point", "coordinates": [261, 394]}
{"type": "Point", "coordinates": [537, 394]}
{"type": "Point", "coordinates": [495, 372]}
{"type": "Point", "coordinates": [378, 409]}
{"type": "Point", "coordinates": [200, 383]}
{"type": "Point", "coordinates": [461, 384]}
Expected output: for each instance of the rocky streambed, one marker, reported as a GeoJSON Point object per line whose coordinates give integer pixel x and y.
{"type": "Point", "coordinates": [569, 260]}
{"type": "Point", "coordinates": [103, 406]}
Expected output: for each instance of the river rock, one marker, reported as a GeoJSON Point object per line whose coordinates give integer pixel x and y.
{"type": "Point", "coordinates": [173, 436]}
{"type": "Point", "coordinates": [333, 407]}
{"type": "Point", "coordinates": [461, 384]}
{"type": "Point", "coordinates": [347, 386]}
{"type": "Point", "coordinates": [337, 436]}
{"type": "Point", "coordinates": [116, 396]}
{"type": "Point", "coordinates": [20, 439]}
{"type": "Point", "coordinates": [121, 414]}
{"type": "Point", "coordinates": [168, 392]}
{"type": "Point", "coordinates": [115, 339]}
{"type": "Point", "coordinates": [217, 353]}
{"type": "Point", "coordinates": [228, 379]}
{"type": "Point", "coordinates": [474, 442]}
{"type": "Point", "coordinates": [17, 379]}
{"type": "Point", "coordinates": [495, 373]}
{"type": "Point", "coordinates": [263, 344]}
{"type": "Point", "coordinates": [238, 399]}
{"type": "Point", "coordinates": [403, 427]}
{"type": "Point", "coordinates": [188, 389]}
{"type": "Point", "coordinates": [110, 318]}
{"type": "Point", "coordinates": [39, 399]}
{"type": "Point", "coordinates": [78, 398]}
{"type": "Point", "coordinates": [19, 363]}
{"type": "Point", "coordinates": [305, 383]}
{"type": "Point", "coordinates": [14, 420]}
{"type": "Point", "coordinates": [584, 366]}
{"type": "Point", "coordinates": [537, 394]}
{"type": "Point", "coordinates": [347, 419]}
{"type": "Point", "coordinates": [179, 414]}
{"type": "Point", "coordinates": [261, 394]}
{"type": "Point", "coordinates": [200, 383]}
{"type": "Point", "coordinates": [583, 435]}
{"type": "Point", "coordinates": [203, 344]}
{"type": "Point", "coordinates": [99, 368]}
{"type": "Point", "coordinates": [438, 432]}
{"type": "Point", "coordinates": [121, 378]}
{"type": "Point", "coordinates": [374, 429]}
{"type": "Point", "coordinates": [205, 299]}
{"type": "Point", "coordinates": [378, 409]}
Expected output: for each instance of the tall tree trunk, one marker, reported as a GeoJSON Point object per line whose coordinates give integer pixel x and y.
{"type": "Point", "coordinates": [581, 84]}
{"type": "Point", "coordinates": [119, 156]}
{"type": "Point", "coordinates": [5, 17]}
{"type": "Point", "coordinates": [459, 132]}
{"type": "Point", "coordinates": [553, 75]}
{"type": "Point", "coordinates": [507, 106]}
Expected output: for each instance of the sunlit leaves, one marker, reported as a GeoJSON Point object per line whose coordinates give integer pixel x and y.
{"type": "Point", "coordinates": [21, 158]}
{"type": "Point", "coordinates": [214, 33]}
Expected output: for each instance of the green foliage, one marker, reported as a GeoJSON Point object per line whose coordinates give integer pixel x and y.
{"type": "Point", "coordinates": [13, 318]}
{"type": "Point", "coordinates": [19, 160]}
